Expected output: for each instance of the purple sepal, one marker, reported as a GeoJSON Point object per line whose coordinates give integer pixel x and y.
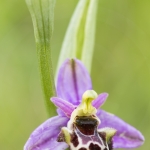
{"type": "Point", "coordinates": [65, 106]}
{"type": "Point", "coordinates": [122, 142]}
{"type": "Point", "coordinates": [100, 100]}
{"type": "Point", "coordinates": [44, 137]}
{"type": "Point", "coordinates": [126, 136]}
{"type": "Point", "coordinates": [73, 80]}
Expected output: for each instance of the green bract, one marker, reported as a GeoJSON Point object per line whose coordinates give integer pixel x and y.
{"type": "Point", "coordinates": [80, 35]}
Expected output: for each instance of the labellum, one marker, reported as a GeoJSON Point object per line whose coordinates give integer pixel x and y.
{"type": "Point", "coordinates": [82, 131]}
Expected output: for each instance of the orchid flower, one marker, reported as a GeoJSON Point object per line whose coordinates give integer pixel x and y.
{"type": "Point", "coordinates": [80, 124]}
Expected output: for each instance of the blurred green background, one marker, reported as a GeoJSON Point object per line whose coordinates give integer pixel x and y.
{"type": "Point", "coordinates": [121, 65]}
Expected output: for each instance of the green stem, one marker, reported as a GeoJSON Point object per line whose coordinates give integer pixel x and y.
{"type": "Point", "coordinates": [42, 12]}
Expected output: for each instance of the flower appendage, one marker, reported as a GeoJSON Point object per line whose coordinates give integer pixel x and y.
{"type": "Point", "coordinates": [80, 124]}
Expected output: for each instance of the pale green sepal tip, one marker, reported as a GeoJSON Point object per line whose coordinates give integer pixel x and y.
{"type": "Point", "coordinates": [66, 135]}
{"type": "Point", "coordinates": [110, 132]}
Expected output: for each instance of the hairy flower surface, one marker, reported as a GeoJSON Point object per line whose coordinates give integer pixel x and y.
{"type": "Point", "coordinates": [80, 124]}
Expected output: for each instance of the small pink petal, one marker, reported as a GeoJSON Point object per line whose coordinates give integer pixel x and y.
{"type": "Point", "coordinates": [65, 106]}
{"type": "Point", "coordinates": [100, 100]}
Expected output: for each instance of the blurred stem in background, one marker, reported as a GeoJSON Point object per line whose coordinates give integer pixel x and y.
{"type": "Point", "coordinates": [42, 13]}
{"type": "Point", "coordinates": [80, 35]}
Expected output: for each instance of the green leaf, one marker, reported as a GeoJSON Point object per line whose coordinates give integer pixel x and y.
{"type": "Point", "coordinates": [42, 12]}
{"type": "Point", "coordinates": [80, 35]}
{"type": "Point", "coordinates": [89, 34]}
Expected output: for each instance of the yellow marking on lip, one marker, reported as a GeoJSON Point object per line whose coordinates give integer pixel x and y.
{"type": "Point", "coordinates": [66, 134]}
{"type": "Point", "coordinates": [85, 108]}
{"type": "Point", "coordinates": [87, 99]}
